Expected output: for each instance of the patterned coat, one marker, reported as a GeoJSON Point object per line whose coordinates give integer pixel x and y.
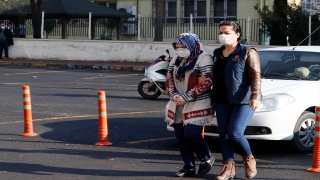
{"type": "Point", "coordinates": [198, 109]}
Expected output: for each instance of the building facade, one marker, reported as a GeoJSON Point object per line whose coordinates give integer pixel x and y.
{"type": "Point", "coordinates": [218, 9]}
{"type": "Point", "coordinates": [206, 14]}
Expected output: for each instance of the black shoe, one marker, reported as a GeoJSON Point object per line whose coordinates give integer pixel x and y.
{"type": "Point", "coordinates": [205, 166]}
{"type": "Point", "coordinates": [185, 172]}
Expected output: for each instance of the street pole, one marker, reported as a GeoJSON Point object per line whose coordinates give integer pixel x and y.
{"type": "Point", "coordinates": [248, 30]}
{"type": "Point", "coordinates": [42, 24]}
{"type": "Point", "coordinates": [191, 25]}
{"type": "Point", "coordinates": [309, 43]}
{"type": "Point", "coordinates": [139, 24]}
{"type": "Point", "coordinates": [89, 28]}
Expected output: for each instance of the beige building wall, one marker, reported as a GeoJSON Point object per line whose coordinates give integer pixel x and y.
{"type": "Point", "coordinates": [127, 2]}
{"type": "Point", "coordinates": [144, 7]}
{"type": "Point", "coordinates": [245, 7]}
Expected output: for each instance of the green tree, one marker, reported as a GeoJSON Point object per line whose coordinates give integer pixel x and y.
{"type": "Point", "coordinates": [49, 26]}
{"type": "Point", "coordinates": [287, 20]}
{"type": "Point", "coordinates": [109, 26]}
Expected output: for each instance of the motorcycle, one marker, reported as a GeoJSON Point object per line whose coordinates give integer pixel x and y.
{"type": "Point", "coordinates": [153, 83]}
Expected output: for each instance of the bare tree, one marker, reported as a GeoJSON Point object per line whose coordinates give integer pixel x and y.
{"type": "Point", "coordinates": [36, 11]}
{"type": "Point", "coordinates": [158, 30]}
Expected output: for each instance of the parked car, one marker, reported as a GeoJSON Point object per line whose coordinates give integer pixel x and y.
{"type": "Point", "coordinates": [291, 91]}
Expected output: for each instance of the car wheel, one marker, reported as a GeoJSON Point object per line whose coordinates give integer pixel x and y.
{"type": "Point", "coordinates": [303, 139]}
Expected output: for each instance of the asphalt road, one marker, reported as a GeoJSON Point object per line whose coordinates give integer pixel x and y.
{"type": "Point", "coordinates": [65, 117]}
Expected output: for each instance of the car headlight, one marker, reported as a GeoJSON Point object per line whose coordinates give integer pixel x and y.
{"type": "Point", "coordinates": [275, 101]}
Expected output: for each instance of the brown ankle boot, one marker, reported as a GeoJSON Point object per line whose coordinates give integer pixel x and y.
{"type": "Point", "coordinates": [228, 171]}
{"type": "Point", "coordinates": [250, 166]}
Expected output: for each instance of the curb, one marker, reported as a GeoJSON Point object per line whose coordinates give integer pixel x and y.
{"type": "Point", "coordinates": [76, 66]}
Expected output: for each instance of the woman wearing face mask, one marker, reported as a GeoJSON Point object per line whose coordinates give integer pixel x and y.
{"type": "Point", "coordinates": [5, 40]}
{"type": "Point", "coordinates": [189, 107]}
{"type": "Point", "coordinates": [236, 95]}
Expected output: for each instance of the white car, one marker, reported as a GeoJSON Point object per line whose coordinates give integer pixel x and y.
{"type": "Point", "coordinates": [291, 91]}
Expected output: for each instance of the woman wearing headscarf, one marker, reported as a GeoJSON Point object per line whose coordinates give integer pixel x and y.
{"type": "Point", "coordinates": [189, 107]}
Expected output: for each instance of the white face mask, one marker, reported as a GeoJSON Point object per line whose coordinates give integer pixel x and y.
{"type": "Point", "coordinates": [2, 27]}
{"type": "Point", "coordinates": [183, 52]}
{"type": "Point", "coordinates": [225, 39]}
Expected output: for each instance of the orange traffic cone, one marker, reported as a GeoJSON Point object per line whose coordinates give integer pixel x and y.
{"type": "Point", "coordinates": [316, 146]}
{"type": "Point", "coordinates": [103, 124]}
{"type": "Point", "coordinates": [28, 126]}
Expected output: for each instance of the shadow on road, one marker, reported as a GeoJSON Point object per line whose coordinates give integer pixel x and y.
{"type": "Point", "coordinates": [39, 169]}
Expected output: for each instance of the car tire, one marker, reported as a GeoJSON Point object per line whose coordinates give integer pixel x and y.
{"type": "Point", "coordinates": [303, 139]}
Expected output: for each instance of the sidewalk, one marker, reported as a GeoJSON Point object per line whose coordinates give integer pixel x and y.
{"type": "Point", "coordinates": [74, 64]}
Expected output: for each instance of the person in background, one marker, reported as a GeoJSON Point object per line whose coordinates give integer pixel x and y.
{"type": "Point", "coordinates": [189, 107]}
{"type": "Point", "coordinates": [5, 40]}
{"type": "Point", "coordinates": [236, 94]}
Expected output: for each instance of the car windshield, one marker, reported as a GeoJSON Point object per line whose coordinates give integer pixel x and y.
{"type": "Point", "coordinates": [290, 65]}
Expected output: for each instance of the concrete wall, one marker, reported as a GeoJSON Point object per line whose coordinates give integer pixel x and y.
{"type": "Point", "coordinates": [94, 50]}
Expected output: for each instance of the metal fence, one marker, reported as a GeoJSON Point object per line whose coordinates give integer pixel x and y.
{"type": "Point", "coordinates": [142, 28]}
{"type": "Point", "coordinates": [205, 28]}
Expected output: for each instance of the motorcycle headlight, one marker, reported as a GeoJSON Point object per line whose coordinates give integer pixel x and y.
{"type": "Point", "coordinates": [273, 102]}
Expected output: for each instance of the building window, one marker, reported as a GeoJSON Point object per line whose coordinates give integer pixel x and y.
{"type": "Point", "coordinates": [195, 7]}
{"type": "Point", "coordinates": [101, 3]}
{"type": "Point", "coordinates": [112, 5]}
{"type": "Point", "coordinates": [224, 10]}
{"type": "Point", "coordinates": [169, 11]}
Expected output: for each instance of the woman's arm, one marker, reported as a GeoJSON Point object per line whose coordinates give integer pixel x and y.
{"type": "Point", "coordinates": [254, 71]}
{"type": "Point", "coordinates": [205, 66]}
{"type": "Point", "coordinates": [170, 85]}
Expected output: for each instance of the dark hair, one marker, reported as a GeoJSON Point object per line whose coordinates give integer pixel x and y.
{"type": "Point", "coordinates": [236, 27]}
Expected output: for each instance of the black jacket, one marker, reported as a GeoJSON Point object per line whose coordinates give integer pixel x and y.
{"type": "Point", "coordinates": [7, 32]}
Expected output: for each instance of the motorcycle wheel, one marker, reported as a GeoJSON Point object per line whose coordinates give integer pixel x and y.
{"type": "Point", "coordinates": [148, 90]}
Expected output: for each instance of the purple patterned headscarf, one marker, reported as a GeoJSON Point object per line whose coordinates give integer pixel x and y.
{"type": "Point", "coordinates": [192, 42]}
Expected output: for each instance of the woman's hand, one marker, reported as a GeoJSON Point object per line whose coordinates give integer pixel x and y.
{"type": "Point", "coordinates": [201, 79]}
{"type": "Point", "coordinates": [254, 104]}
{"type": "Point", "coordinates": [179, 100]}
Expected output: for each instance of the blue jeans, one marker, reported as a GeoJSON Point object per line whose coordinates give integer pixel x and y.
{"type": "Point", "coordinates": [190, 141]}
{"type": "Point", "coordinates": [232, 121]}
{"type": "Point", "coordinates": [4, 45]}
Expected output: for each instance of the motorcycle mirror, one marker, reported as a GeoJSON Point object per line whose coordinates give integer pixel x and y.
{"type": "Point", "coordinates": [167, 51]}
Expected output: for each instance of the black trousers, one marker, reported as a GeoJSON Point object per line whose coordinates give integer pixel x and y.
{"type": "Point", "coordinates": [190, 141]}
{"type": "Point", "coordinates": [4, 45]}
